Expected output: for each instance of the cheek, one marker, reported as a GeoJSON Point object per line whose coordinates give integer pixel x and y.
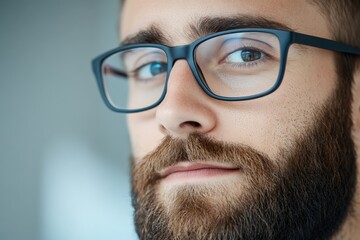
{"type": "Point", "coordinates": [281, 117]}
{"type": "Point", "coordinates": [308, 83]}
{"type": "Point", "coordinates": [268, 125]}
{"type": "Point", "coordinates": [144, 133]}
{"type": "Point", "coordinates": [356, 108]}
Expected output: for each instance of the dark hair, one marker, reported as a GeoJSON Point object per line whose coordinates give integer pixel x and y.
{"type": "Point", "coordinates": [344, 23]}
{"type": "Point", "coordinates": [343, 19]}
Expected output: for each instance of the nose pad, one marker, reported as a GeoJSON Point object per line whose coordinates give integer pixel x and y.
{"type": "Point", "coordinates": [186, 108]}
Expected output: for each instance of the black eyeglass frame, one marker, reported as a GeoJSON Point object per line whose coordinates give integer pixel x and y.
{"type": "Point", "coordinates": [187, 52]}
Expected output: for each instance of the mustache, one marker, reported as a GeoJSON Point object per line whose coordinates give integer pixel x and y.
{"type": "Point", "coordinates": [198, 148]}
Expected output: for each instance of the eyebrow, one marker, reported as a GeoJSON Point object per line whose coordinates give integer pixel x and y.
{"type": "Point", "coordinates": [204, 26]}
{"type": "Point", "coordinates": [152, 34]}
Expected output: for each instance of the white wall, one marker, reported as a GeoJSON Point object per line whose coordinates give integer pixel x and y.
{"type": "Point", "coordinates": [63, 154]}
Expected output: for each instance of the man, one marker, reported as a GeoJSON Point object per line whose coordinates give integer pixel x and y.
{"type": "Point", "coordinates": [245, 129]}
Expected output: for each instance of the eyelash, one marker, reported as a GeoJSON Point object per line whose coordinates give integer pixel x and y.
{"type": "Point", "coordinates": [265, 56]}
{"type": "Point", "coordinates": [247, 65]}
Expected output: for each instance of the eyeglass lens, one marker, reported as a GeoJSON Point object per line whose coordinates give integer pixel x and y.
{"type": "Point", "coordinates": [230, 65]}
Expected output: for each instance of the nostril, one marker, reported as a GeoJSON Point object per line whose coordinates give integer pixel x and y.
{"type": "Point", "coordinates": [192, 124]}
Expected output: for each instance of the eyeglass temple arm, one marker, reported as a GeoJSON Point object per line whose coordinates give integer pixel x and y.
{"type": "Point", "coordinates": [323, 43]}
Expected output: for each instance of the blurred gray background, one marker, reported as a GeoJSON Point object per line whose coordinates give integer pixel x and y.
{"type": "Point", "coordinates": [64, 171]}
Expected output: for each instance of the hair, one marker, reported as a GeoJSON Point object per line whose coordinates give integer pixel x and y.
{"type": "Point", "coordinates": [344, 23]}
{"type": "Point", "coordinates": [343, 19]}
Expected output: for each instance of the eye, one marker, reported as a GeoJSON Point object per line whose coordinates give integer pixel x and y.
{"type": "Point", "coordinates": [151, 70]}
{"type": "Point", "coordinates": [244, 56]}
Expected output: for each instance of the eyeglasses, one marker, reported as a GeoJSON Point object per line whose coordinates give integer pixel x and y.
{"type": "Point", "coordinates": [233, 65]}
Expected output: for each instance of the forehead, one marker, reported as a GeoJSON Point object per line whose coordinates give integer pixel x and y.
{"type": "Point", "coordinates": [173, 17]}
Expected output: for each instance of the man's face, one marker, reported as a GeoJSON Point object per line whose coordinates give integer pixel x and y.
{"type": "Point", "coordinates": [241, 158]}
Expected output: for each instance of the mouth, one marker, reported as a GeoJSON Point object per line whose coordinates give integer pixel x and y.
{"type": "Point", "coordinates": [186, 171]}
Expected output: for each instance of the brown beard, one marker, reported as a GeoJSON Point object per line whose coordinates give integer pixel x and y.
{"type": "Point", "coordinates": [307, 197]}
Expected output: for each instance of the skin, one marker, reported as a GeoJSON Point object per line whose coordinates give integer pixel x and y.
{"type": "Point", "coordinates": [267, 123]}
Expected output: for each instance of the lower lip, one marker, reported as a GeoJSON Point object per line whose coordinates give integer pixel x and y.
{"type": "Point", "coordinates": [200, 174]}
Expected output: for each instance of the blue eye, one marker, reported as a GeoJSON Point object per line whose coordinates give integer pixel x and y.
{"type": "Point", "coordinates": [244, 56]}
{"type": "Point", "coordinates": [151, 70]}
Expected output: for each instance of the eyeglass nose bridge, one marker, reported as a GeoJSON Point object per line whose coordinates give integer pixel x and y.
{"type": "Point", "coordinates": [180, 52]}
{"type": "Point", "coordinates": [185, 52]}
{"type": "Point", "coordinates": [173, 54]}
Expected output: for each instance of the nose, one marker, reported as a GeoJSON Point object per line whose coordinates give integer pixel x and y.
{"type": "Point", "coordinates": [186, 108]}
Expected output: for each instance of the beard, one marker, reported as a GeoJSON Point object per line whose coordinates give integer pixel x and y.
{"type": "Point", "coordinates": [305, 193]}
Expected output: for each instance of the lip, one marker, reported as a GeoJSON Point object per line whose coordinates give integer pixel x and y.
{"type": "Point", "coordinates": [186, 170]}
